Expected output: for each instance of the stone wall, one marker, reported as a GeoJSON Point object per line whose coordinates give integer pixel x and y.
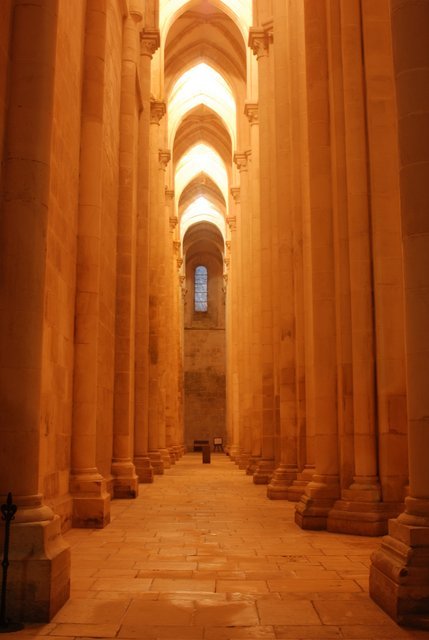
{"type": "Point", "coordinates": [205, 400]}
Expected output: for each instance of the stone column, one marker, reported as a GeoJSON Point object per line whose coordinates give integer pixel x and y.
{"type": "Point", "coordinates": [323, 490]}
{"type": "Point", "coordinates": [125, 481]}
{"type": "Point", "coordinates": [252, 113]}
{"type": "Point", "coordinates": [360, 510]}
{"type": "Point", "coordinates": [259, 42]}
{"type": "Point", "coordinates": [39, 571]}
{"type": "Point", "coordinates": [172, 329]}
{"type": "Point", "coordinates": [156, 293]}
{"type": "Point", "coordinates": [235, 445]}
{"type": "Point", "coordinates": [241, 198]}
{"type": "Point", "coordinates": [399, 577]}
{"type": "Point", "coordinates": [161, 292]}
{"type": "Point", "coordinates": [305, 457]}
{"type": "Point", "coordinates": [286, 469]}
{"type": "Point", "coordinates": [91, 501]}
{"type": "Point", "coordinates": [149, 43]}
{"type": "Point", "coordinates": [387, 254]}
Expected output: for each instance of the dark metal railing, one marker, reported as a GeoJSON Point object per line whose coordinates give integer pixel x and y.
{"type": "Point", "coordinates": [8, 511]}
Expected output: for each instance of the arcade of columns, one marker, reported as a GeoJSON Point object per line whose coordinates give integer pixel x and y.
{"type": "Point", "coordinates": [325, 252]}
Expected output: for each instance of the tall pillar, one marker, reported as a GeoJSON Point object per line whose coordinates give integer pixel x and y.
{"type": "Point", "coordinates": [125, 481]}
{"type": "Point", "coordinates": [260, 41]}
{"type": "Point", "coordinates": [387, 255]}
{"type": "Point", "coordinates": [323, 490]}
{"type": "Point", "coordinates": [241, 198]}
{"type": "Point", "coordinates": [149, 43]}
{"type": "Point", "coordinates": [156, 295]}
{"type": "Point", "coordinates": [39, 571]}
{"type": "Point", "coordinates": [399, 575]}
{"type": "Point", "coordinates": [286, 468]}
{"type": "Point", "coordinates": [304, 426]}
{"type": "Point", "coordinates": [235, 444]}
{"type": "Point", "coordinates": [252, 113]}
{"type": "Point", "coordinates": [91, 501]}
{"type": "Point", "coordinates": [360, 509]}
{"type": "Point", "coordinates": [171, 329]}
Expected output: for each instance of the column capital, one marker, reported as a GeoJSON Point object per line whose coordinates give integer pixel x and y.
{"type": "Point", "coordinates": [232, 222]}
{"type": "Point", "coordinates": [157, 110]}
{"type": "Point", "coordinates": [176, 246]}
{"type": "Point", "coordinates": [164, 156]}
{"type": "Point", "coordinates": [179, 263]}
{"type": "Point", "coordinates": [169, 194]}
{"type": "Point", "coordinates": [173, 220]}
{"type": "Point", "coordinates": [260, 39]}
{"type": "Point", "coordinates": [251, 111]}
{"type": "Point", "coordinates": [227, 262]}
{"type": "Point", "coordinates": [228, 245]}
{"type": "Point", "coordinates": [240, 160]}
{"type": "Point", "coordinates": [235, 192]}
{"type": "Point", "coordinates": [149, 42]}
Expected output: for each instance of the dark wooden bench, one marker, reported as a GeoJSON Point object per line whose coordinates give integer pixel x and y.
{"type": "Point", "coordinates": [198, 444]}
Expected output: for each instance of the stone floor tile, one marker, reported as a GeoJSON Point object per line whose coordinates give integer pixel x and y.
{"type": "Point", "coordinates": [348, 612]}
{"type": "Point", "coordinates": [242, 633]}
{"type": "Point", "coordinates": [307, 585]}
{"type": "Point", "coordinates": [83, 630]}
{"type": "Point", "coordinates": [173, 584]}
{"type": "Point", "coordinates": [280, 612]}
{"type": "Point", "coordinates": [242, 586]}
{"type": "Point", "coordinates": [140, 614]}
{"type": "Point", "coordinates": [121, 584]}
{"type": "Point", "coordinates": [91, 611]}
{"type": "Point", "coordinates": [309, 632]}
{"type": "Point", "coordinates": [228, 614]}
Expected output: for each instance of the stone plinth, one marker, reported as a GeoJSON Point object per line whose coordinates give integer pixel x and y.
{"type": "Point", "coordinates": [399, 574]}
{"type": "Point", "coordinates": [39, 571]}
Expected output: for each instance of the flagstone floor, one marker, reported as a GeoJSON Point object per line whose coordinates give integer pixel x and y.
{"type": "Point", "coordinates": [202, 554]}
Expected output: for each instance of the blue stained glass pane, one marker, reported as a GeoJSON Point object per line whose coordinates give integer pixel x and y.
{"type": "Point", "coordinates": [201, 289]}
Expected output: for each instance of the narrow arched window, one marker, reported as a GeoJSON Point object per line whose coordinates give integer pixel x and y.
{"type": "Point", "coordinates": [200, 286]}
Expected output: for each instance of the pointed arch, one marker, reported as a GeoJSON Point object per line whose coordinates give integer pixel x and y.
{"type": "Point", "coordinates": [201, 85]}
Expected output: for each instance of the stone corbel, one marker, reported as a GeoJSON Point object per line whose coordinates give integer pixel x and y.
{"type": "Point", "coordinates": [164, 157]}
{"type": "Point", "coordinates": [228, 245]}
{"type": "Point", "coordinates": [157, 110]}
{"type": "Point", "coordinates": [259, 41]}
{"type": "Point", "coordinates": [179, 263]}
{"type": "Point", "coordinates": [235, 192]}
{"type": "Point", "coordinates": [177, 245]}
{"type": "Point", "coordinates": [232, 222]}
{"type": "Point", "coordinates": [173, 220]}
{"type": "Point", "coordinates": [169, 193]}
{"type": "Point", "coordinates": [251, 111]}
{"type": "Point", "coordinates": [149, 42]}
{"type": "Point", "coordinates": [240, 160]}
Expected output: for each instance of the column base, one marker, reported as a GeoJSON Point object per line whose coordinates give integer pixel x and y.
{"type": "Point", "coordinates": [144, 469]}
{"type": "Point", "coordinates": [243, 461]}
{"type": "Point", "coordinates": [263, 472]}
{"type": "Point", "coordinates": [125, 480]}
{"type": "Point", "coordinates": [253, 464]}
{"type": "Point", "coordinates": [297, 488]}
{"type": "Point", "coordinates": [360, 512]}
{"type": "Point", "coordinates": [91, 501]}
{"type": "Point", "coordinates": [39, 571]}
{"type": "Point", "coordinates": [173, 455]}
{"type": "Point", "coordinates": [312, 510]}
{"type": "Point", "coordinates": [281, 480]}
{"type": "Point", "coordinates": [399, 574]}
{"type": "Point", "coordinates": [156, 462]}
{"type": "Point", "coordinates": [165, 456]}
{"type": "Point", "coordinates": [233, 451]}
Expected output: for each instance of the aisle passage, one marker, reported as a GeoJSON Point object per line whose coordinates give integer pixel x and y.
{"type": "Point", "coordinates": [203, 554]}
